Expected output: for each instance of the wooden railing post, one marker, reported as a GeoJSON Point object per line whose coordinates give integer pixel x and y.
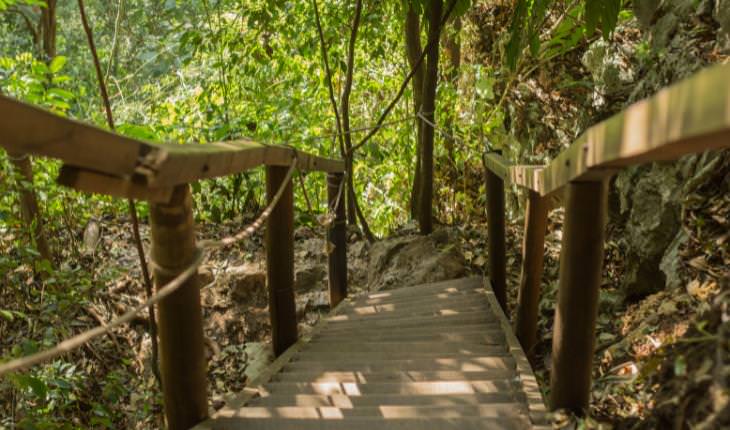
{"type": "Point", "coordinates": [581, 259]}
{"type": "Point", "coordinates": [280, 261]}
{"type": "Point", "coordinates": [496, 238]}
{"type": "Point", "coordinates": [336, 236]}
{"type": "Point", "coordinates": [533, 253]}
{"type": "Point", "coordinates": [180, 319]}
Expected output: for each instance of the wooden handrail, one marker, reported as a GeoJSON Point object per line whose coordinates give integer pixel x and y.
{"type": "Point", "coordinates": [101, 161]}
{"type": "Point", "coordinates": [689, 117]}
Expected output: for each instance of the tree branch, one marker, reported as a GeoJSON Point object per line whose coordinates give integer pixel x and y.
{"type": "Point", "coordinates": [405, 83]}
{"type": "Point", "coordinates": [132, 207]}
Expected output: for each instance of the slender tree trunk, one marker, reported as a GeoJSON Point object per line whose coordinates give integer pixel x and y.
{"type": "Point", "coordinates": [48, 29]}
{"type": "Point", "coordinates": [29, 209]}
{"type": "Point", "coordinates": [425, 213]}
{"type": "Point", "coordinates": [345, 114]}
{"type": "Point", "coordinates": [413, 51]}
{"type": "Point", "coordinates": [29, 205]}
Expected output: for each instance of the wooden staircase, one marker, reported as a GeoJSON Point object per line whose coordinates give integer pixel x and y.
{"type": "Point", "coordinates": [436, 356]}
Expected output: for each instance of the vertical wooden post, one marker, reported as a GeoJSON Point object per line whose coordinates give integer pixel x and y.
{"type": "Point", "coordinates": [180, 319]}
{"type": "Point", "coordinates": [496, 240]}
{"type": "Point", "coordinates": [581, 259]}
{"type": "Point", "coordinates": [533, 253]}
{"type": "Point", "coordinates": [280, 261]}
{"type": "Point", "coordinates": [336, 235]}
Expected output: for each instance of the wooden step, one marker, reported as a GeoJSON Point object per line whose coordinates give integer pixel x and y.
{"type": "Point", "coordinates": [471, 364]}
{"type": "Point", "coordinates": [410, 388]}
{"type": "Point", "coordinates": [472, 300]}
{"type": "Point", "coordinates": [481, 337]}
{"type": "Point", "coordinates": [395, 376]}
{"type": "Point", "coordinates": [464, 284]}
{"type": "Point", "coordinates": [411, 313]}
{"type": "Point", "coordinates": [507, 410]}
{"type": "Point", "coordinates": [356, 332]}
{"type": "Point", "coordinates": [428, 299]}
{"type": "Point", "coordinates": [364, 423]}
{"type": "Point", "coordinates": [493, 351]}
{"type": "Point", "coordinates": [411, 347]}
{"type": "Point", "coordinates": [344, 401]}
{"type": "Point", "coordinates": [470, 318]}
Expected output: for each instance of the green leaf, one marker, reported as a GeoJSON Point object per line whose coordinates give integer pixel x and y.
{"type": "Point", "coordinates": [8, 315]}
{"type": "Point", "coordinates": [61, 94]}
{"type": "Point", "coordinates": [57, 64]}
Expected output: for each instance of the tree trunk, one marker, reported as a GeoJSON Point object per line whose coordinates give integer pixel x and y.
{"type": "Point", "coordinates": [48, 29]}
{"type": "Point", "coordinates": [425, 213]}
{"type": "Point", "coordinates": [29, 205]}
{"type": "Point", "coordinates": [413, 51]}
{"type": "Point", "coordinates": [345, 114]}
{"type": "Point", "coordinates": [29, 209]}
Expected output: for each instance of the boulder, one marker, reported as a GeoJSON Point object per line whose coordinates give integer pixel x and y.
{"type": "Point", "coordinates": [649, 196]}
{"type": "Point", "coordinates": [413, 260]}
{"type": "Point", "coordinates": [247, 282]}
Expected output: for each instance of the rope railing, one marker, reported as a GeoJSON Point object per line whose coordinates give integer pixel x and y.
{"type": "Point", "coordinates": [81, 339]}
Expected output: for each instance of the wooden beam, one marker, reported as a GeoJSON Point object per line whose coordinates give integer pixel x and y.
{"type": "Point", "coordinates": [280, 262]}
{"type": "Point", "coordinates": [337, 239]}
{"type": "Point", "coordinates": [180, 317]}
{"type": "Point", "coordinates": [99, 183]}
{"type": "Point", "coordinates": [32, 130]}
{"type": "Point", "coordinates": [581, 260]}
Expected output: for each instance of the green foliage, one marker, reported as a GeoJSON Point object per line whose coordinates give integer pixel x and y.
{"type": "Point", "coordinates": [583, 19]}
{"type": "Point", "coordinates": [7, 4]}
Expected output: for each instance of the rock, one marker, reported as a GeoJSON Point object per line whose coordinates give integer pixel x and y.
{"type": "Point", "coordinates": [670, 263]}
{"type": "Point", "coordinates": [611, 72]}
{"type": "Point", "coordinates": [205, 275]}
{"type": "Point", "coordinates": [309, 277]}
{"type": "Point", "coordinates": [663, 31]}
{"type": "Point", "coordinates": [247, 282]}
{"type": "Point", "coordinates": [649, 196]}
{"type": "Point", "coordinates": [412, 260]}
{"type": "Point", "coordinates": [645, 11]}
